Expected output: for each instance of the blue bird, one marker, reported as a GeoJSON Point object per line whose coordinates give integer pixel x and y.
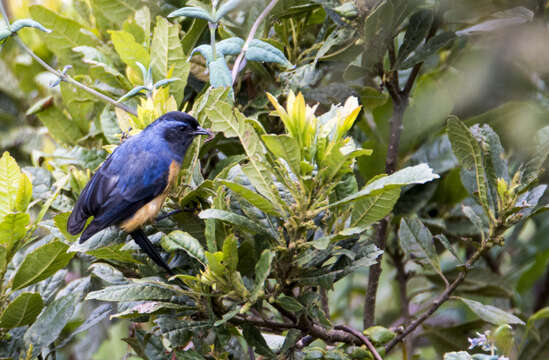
{"type": "Point", "coordinates": [130, 187]}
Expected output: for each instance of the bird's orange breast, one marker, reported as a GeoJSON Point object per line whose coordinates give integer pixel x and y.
{"type": "Point", "coordinates": [150, 209]}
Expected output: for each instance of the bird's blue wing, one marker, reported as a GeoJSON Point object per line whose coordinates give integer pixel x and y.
{"type": "Point", "coordinates": [131, 177]}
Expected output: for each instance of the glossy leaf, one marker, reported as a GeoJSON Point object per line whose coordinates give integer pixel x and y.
{"type": "Point", "coordinates": [235, 219]}
{"type": "Point", "coordinates": [285, 147]}
{"type": "Point", "coordinates": [135, 292]}
{"type": "Point", "coordinates": [252, 197]}
{"type": "Point", "coordinates": [13, 228]}
{"type": "Point", "coordinates": [370, 209]}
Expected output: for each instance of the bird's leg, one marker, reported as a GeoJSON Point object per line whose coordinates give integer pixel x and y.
{"type": "Point", "coordinates": [145, 244]}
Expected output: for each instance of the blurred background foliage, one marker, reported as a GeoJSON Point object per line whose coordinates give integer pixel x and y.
{"type": "Point", "coordinates": [483, 61]}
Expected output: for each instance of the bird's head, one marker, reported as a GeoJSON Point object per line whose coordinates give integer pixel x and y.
{"type": "Point", "coordinates": [179, 129]}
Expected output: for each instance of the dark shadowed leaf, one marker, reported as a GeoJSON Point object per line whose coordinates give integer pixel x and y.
{"type": "Point", "coordinates": [23, 310]}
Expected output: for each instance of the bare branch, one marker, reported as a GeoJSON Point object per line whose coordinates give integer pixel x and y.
{"type": "Point", "coordinates": [363, 338]}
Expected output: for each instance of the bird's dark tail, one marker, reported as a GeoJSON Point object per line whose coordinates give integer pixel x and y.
{"type": "Point", "coordinates": [144, 243]}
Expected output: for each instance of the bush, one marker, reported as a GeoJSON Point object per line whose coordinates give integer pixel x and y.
{"type": "Point", "coordinates": [356, 202]}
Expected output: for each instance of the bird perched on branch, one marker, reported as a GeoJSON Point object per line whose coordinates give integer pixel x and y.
{"type": "Point", "coordinates": [132, 184]}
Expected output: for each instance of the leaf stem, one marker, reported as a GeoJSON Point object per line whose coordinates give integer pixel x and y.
{"type": "Point", "coordinates": [253, 30]}
{"type": "Point", "coordinates": [59, 74]}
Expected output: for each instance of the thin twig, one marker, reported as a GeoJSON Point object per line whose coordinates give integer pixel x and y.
{"type": "Point", "coordinates": [437, 303]}
{"type": "Point", "coordinates": [253, 30]}
{"type": "Point", "coordinates": [363, 338]}
{"type": "Point", "coordinates": [59, 74]}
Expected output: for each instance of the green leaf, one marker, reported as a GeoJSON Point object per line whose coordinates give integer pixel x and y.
{"type": "Point", "coordinates": [264, 52]}
{"type": "Point", "coordinates": [66, 34]}
{"type": "Point", "coordinates": [378, 28]}
{"type": "Point", "coordinates": [50, 323]}
{"type": "Point", "coordinates": [136, 292]}
{"type": "Point", "coordinates": [418, 174]}
{"type": "Point", "coordinates": [444, 241]}
{"type": "Point", "coordinates": [252, 197]}
{"type": "Point", "coordinates": [491, 313]}
{"type": "Point", "coordinates": [538, 315]}
{"type": "Point", "coordinates": [289, 303]}
{"type": "Point", "coordinates": [257, 341]}
{"type": "Point", "coordinates": [503, 339]}
{"type": "Point", "coordinates": [193, 12]}
{"type": "Point", "coordinates": [230, 253]}
{"type": "Point", "coordinates": [19, 24]}
{"type": "Point", "coordinates": [167, 56]}
{"type": "Point", "coordinates": [262, 271]}
{"type": "Point", "coordinates": [41, 264]}
{"type": "Point", "coordinates": [59, 126]}
{"type": "Point", "coordinates": [180, 240]}
{"type": "Point", "coordinates": [468, 152]}
{"type": "Point", "coordinates": [235, 219]}
{"type": "Point", "coordinates": [230, 46]}
{"type": "Point", "coordinates": [418, 243]}
{"type": "Point", "coordinates": [115, 11]}
{"type": "Point", "coordinates": [191, 37]}
{"type": "Point", "coordinates": [433, 45]}
{"type": "Point", "coordinates": [23, 310]}
{"type": "Point", "coordinates": [95, 317]}
{"type": "Point", "coordinates": [285, 147]}
{"type": "Point", "coordinates": [101, 67]}
{"type": "Point", "coordinates": [379, 335]}
{"type": "Point", "coordinates": [370, 209]}
{"type": "Point", "coordinates": [80, 104]}
{"type": "Point", "coordinates": [10, 182]}
{"type": "Point", "coordinates": [225, 8]}
{"type": "Point", "coordinates": [220, 75]}
{"type": "Point", "coordinates": [114, 252]}
{"type": "Point", "coordinates": [129, 50]}
{"type": "Point", "coordinates": [418, 28]}
{"type": "Point", "coordinates": [13, 228]}
{"type": "Point", "coordinates": [61, 223]}
{"type": "Point", "coordinates": [24, 193]}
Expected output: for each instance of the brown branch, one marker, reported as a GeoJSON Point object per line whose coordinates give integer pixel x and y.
{"type": "Point", "coordinates": [542, 292]}
{"type": "Point", "coordinates": [373, 276]}
{"type": "Point", "coordinates": [363, 338]}
{"type": "Point", "coordinates": [402, 279]}
{"type": "Point", "coordinates": [437, 303]}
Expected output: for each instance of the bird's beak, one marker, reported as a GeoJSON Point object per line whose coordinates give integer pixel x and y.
{"type": "Point", "coordinates": [202, 131]}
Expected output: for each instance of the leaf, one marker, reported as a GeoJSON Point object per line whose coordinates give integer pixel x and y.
{"type": "Point", "coordinates": [257, 341]}
{"type": "Point", "coordinates": [417, 242]}
{"type": "Point", "coordinates": [252, 197]}
{"type": "Point", "coordinates": [107, 273]}
{"type": "Point", "coordinates": [136, 292]}
{"type": "Point", "coordinates": [418, 174]}
{"type": "Point", "coordinates": [289, 303]}
{"type": "Point", "coordinates": [21, 311]}
{"type": "Point", "coordinates": [432, 45]}
{"type": "Point", "coordinates": [368, 210]}
{"type": "Point", "coordinates": [167, 57]}
{"type": "Point", "coordinates": [80, 104]}
{"type": "Point", "coordinates": [262, 271]}
{"type": "Point", "coordinates": [220, 75]}
{"type": "Point", "coordinates": [538, 315]}
{"type": "Point", "coordinates": [41, 264]}
{"type": "Point", "coordinates": [13, 228]}
{"type": "Point", "coordinates": [225, 8]}
{"type": "Point", "coordinates": [50, 323]}
{"type": "Point", "coordinates": [193, 12]}
{"type": "Point", "coordinates": [491, 313]}
{"type": "Point", "coordinates": [180, 240]}
{"type": "Point", "coordinates": [285, 147]}
{"type": "Point", "coordinates": [264, 52]}
{"type": "Point", "coordinates": [61, 221]}
{"type": "Point", "coordinates": [235, 219]}
{"type": "Point", "coordinates": [129, 50]}
{"type": "Point", "coordinates": [115, 11]}
{"type": "Point", "coordinates": [66, 34]}
{"type": "Point", "coordinates": [230, 46]}
{"type": "Point", "coordinates": [515, 16]}
{"type": "Point", "coordinates": [378, 28]}
{"type": "Point", "coordinates": [444, 241]}
{"type": "Point", "coordinates": [10, 182]}
{"type": "Point", "coordinates": [418, 28]}
{"type": "Point", "coordinates": [19, 24]}
{"type": "Point", "coordinates": [98, 314]}
{"type": "Point", "coordinates": [113, 252]}
{"type": "Point", "coordinates": [59, 126]}
{"type": "Point", "coordinates": [468, 152]}
{"type": "Point", "coordinates": [101, 67]}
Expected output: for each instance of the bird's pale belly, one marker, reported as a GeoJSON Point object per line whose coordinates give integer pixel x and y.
{"type": "Point", "coordinates": [151, 209]}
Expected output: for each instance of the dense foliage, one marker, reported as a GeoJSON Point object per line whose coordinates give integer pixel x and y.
{"type": "Point", "coordinates": [375, 187]}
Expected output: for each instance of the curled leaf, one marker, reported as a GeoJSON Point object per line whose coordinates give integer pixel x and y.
{"type": "Point", "coordinates": [19, 24]}
{"type": "Point", "coordinates": [193, 12]}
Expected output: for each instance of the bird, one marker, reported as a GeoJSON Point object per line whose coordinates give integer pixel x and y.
{"type": "Point", "coordinates": [131, 185]}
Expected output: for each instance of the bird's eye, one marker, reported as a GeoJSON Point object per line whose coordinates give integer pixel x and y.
{"type": "Point", "coordinates": [182, 128]}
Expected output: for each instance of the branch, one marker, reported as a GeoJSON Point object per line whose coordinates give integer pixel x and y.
{"type": "Point", "coordinates": [59, 74]}
{"type": "Point", "coordinates": [438, 302]}
{"type": "Point", "coordinates": [253, 30]}
{"type": "Point", "coordinates": [363, 338]}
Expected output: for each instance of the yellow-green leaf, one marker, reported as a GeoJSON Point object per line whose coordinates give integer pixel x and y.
{"type": "Point", "coordinates": [21, 311]}
{"type": "Point", "coordinates": [10, 177]}
{"type": "Point", "coordinates": [130, 51]}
